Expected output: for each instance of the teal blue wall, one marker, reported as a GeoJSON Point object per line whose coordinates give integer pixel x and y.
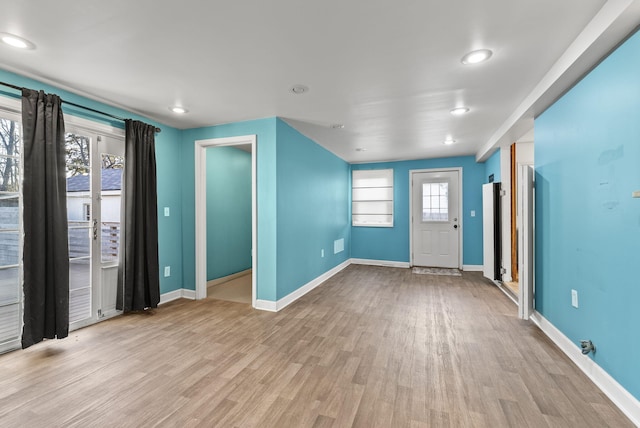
{"type": "Point", "coordinates": [392, 243]}
{"type": "Point", "coordinates": [169, 175]}
{"type": "Point", "coordinates": [265, 131]}
{"type": "Point", "coordinates": [587, 152]}
{"type": "Point", "coordinates": [228, 211]}
{"type": "Point", "coordinates": [313, 209]}
{"type": "Point", "coordinates": [492, 166]}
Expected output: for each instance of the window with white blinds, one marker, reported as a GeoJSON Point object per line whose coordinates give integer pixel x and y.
{"type": "Point", "coordinates": [10, 227]}
{"type": "Point", "coordinates": [372, 198]}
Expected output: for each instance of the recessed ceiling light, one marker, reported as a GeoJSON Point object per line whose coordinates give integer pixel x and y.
{"type": "Point", "coordinates": [16, 41]}
{"type": "Point", "coordinates": [178, 110]}
{"type": "Point", "coordinates": [475, 57]}
{"type": "Point", "coordinates": [299, 89]}
{"type": "Point", "coordinates": [459, 111]}
{"type": "Point", "coordinates": [337, 126]}
{"type": "Point", "coordinates": [361, 149]}
{"type": "Point", "coordinates": [449, 141]}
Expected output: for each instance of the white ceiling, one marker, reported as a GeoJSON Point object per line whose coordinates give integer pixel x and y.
{"type": "Point", "coordinates": [388, 71]}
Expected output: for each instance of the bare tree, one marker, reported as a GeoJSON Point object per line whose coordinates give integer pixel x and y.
{"type": "Point", "coordinates": [10, 139]}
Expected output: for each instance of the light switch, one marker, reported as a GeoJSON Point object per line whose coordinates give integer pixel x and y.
{"type": "Point", "coordinates": [473, 213]}
{"type": "Point", "coordinates": [636, 194]}
{"type": "Point", "coordinates": [166, 211]}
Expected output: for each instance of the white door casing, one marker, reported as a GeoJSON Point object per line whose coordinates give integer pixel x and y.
{"type": "Point", "coordinates": [436, 222]}
{"type": "Point", "coordinates": [200, 158]}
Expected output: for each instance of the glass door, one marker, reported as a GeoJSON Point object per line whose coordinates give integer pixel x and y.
{"type": "Point", "coordinates": [10, 232]}
{"type": "Point", "coordinates": [94, 182]}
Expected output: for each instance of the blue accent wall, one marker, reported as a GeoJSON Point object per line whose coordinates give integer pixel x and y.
{"type": "Point", "coordinates": [392, 243]}
{"type": "Point", "coordinates": [313, 209]}
{"type": "Point", "coordinates": [587, 151]}
{"type": "Point", "coordinates": [303, 204]}
{"type": "Point", "coordinates": [228, 211]}
{"type": "Point", "coordinates": [492, 166]}
{"type": "Point", "coordinates": [265, 131]}
{"type": "Point", "coordinates": [169, 175]}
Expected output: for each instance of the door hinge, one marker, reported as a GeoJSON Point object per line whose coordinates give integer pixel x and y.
{"type": "Point", "coordinates": [100, 313]}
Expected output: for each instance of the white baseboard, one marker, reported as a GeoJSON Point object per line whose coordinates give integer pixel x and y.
{"type": "Point", "coordinates": [622, 398]}
{"type": "Point", "coordinates": [472, 268]}
{"type": "Point", "coordinates": [268, 305]}
{"type": "Point", "coordinates": [180, 293]}
{"type": "Point", "coordinates": [228, 278]}
{"type": "Point", "coordinates": [385, 263]}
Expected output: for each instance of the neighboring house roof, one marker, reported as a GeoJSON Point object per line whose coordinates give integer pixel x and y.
{"type": "Point", "coordinates": [111, 180]}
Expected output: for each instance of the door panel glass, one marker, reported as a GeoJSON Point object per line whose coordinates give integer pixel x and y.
{"type": "Point", "coordinates": [10, 289]}
{"type": "Point", "coordinates": [435, 201]}
{"type": "Point", "coordinates": [79, 204]}
{"type": "Point", "coordinates": [110, 204]}
{"type": "Point", "coordinates": [10, 234]}
{"type": "Point", "coordinates": [79, 290]}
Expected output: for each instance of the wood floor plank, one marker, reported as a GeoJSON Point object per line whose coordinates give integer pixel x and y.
{"type": "Point", "coordinates": [371, 347]}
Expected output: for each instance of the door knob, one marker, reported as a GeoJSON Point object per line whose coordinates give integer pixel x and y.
{"type": "Point", "coordinates": [455, 226]}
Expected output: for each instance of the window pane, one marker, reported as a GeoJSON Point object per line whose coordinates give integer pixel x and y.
{"type": "Point", "coordinates": [9, 248]}
{"type": "Point", "coordinates": [435, 201]}
{"type": "Point", "coordinates": [373, 194]}
{"type": "Point", "coordinates": [372, 220]}
{"type": "Point", "coordinates": [10, 323]}
{"type": "Point", "coordinates": [79, 290]}
{"type": "Point", "coordinates": [378, 207]}
{"type": "Point", "coordinates": [79, 239]}
{"type": "Point", "coordinates": [111, 192]}
{"type": "Point", "coordinates": [9, 211]}
{"type": "Point", "coordinates": [77, 154]}
{"type": "Point", "coordinates": [10, 136]}
{"type": "Point", "coordinates": [10, 288]}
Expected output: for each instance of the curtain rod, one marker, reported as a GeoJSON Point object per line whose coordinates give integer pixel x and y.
{"type": "Point", "coordinates": [18, 88]}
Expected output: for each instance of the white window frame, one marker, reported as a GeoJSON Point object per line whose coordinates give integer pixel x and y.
{"type": "Point", "coordinates": [384, 199]}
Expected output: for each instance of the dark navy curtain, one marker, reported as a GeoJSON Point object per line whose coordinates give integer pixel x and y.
{"type": "Point", "coordinates": [46, 248]}
{"type": "Point", "coordinates": [139, 274]}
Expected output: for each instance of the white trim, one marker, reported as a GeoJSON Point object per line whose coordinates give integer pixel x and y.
{"type": "Point", "coordinates": [221, 280]}
{"type": "Point", "coordinates": [200, 177]}
{"type": "Point", "coordinates": [295, 295]}
{"type": "Point", "coordinates": [266, 305]}
{"type": "Point", "coordinates": [385, 263]}
{"type": "Point", "coordinates": [472, 268]}
{"type": "Point", "coordinates": [458, 169]}
{"type": "Point", "coordinates": [622, 398]}
{"type": "Point", "coordinates": [180, 293]}
{"type": "Point", "coordinates": [269, 305]}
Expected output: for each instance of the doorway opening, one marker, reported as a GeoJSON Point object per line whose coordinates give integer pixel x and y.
{"type": "Point", "coordinates": [247, 142]}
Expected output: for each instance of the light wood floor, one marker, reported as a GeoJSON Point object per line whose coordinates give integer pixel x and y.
{"type": "Point", "coordinates": [236, 290]}
{"type": "Point", "coordinates": [372, 347]}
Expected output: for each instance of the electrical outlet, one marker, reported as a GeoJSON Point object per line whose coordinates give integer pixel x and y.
{"type": "Point", "coordinates": [166, 211]}
{"type": "Point", "coordinates": [473, 213]}
{"type": "Point", "coordinates": [574, 298]}
{"type": "Point", "coordinates": [322, 253]}
{"type": "Point", "coordinates": [167, 271]}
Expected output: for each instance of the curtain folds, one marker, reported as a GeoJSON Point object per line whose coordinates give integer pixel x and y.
{"type": "Point", "coordinates": [139, 286]}
{"type": "Point", "coordinates": [46, 250]}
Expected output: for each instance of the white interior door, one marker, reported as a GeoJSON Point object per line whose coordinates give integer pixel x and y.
{"type": "Point", "coordinates": [525, 207]}
{"type": "Point", "coordinates": [94, 177]}
{"type": "Point", "coordinates": [435, 218]}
